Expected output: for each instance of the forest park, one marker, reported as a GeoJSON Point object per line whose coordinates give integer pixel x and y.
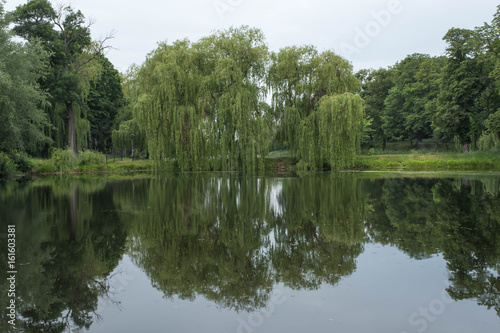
{"type": "Point", "coordinates": [226, 101]}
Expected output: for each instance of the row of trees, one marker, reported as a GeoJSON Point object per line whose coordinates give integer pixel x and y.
{"type": "Point", "coordinates": [58, 88]}
{"type": "Point", "coordinates": [449, 97]}
{"type": "Point", "coordinates": [205, 103]}
{"type": "Point", "coordinates": [223, 102]}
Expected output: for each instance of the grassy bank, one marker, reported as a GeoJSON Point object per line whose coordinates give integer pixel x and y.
{"type": "Point", "coordinates": [278, 162]}
{"type": "Point", "coordinates": [437, 161]}
{"type": "Point", "coordinates": [47, 166]}
{"type": "Point", "coordinates": [282, 163]}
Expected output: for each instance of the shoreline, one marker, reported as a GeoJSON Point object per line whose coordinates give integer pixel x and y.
{"type": "Point", "coordinates": [414, 163]}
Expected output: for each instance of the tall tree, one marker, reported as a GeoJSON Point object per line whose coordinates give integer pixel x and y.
{"type": "Point", "coordinates": [104, 101]}
{"type": "Point", "coordinates": [300, 80]}
{"type": "Point", "coordinates": [459, 111]}
{"type": "Point", "coordinates": [375, 88]}
{"type": "Point", "coordinates": [203, 104]}
{"type": "Point", "coordinates": [405, 114]}
{"type": "Point", "coordinates": [21, 98]}
{"type": "Point", "coordinates": [65, 33]}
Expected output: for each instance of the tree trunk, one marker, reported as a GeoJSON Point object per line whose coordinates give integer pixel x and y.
{"type": "Point", "coordinates": [465, 148]}
{"type": "Point", "coordinates": [71, 128]}
{"type": "Point", "coordinates": [417, 142]}
{"type": "Point", "coordinates": [384, 145]}
{"type": "Point", "coordinates": [73, 211]}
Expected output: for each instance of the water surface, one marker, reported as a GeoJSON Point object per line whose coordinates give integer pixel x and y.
{"type": "Point", "coordinates": [225, 253]}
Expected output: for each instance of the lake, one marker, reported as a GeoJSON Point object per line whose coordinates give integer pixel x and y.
{"type": "Point", "coordinates": [210, 252]}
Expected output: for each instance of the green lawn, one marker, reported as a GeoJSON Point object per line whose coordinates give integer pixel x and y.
{"type": "Point", "coordinates": [471, 161]}
{"type": "Point", "coordinates": [281, 161]}
{"type": "Point", "coordinates": [45, 166]}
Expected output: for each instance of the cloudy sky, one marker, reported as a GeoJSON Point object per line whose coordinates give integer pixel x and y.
{"type": "Point", "coordinates": [370, 33]}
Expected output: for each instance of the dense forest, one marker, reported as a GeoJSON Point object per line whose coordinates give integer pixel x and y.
{"type": "Point", "coordinates": [225, 101]}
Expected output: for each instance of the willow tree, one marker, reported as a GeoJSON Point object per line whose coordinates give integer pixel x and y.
{"type": "Point", "coordinates": [201, 104]}
{"type": "Point", "coordinates": [169, 106]}
{"type": "Point", "coordinates": [235, 72]}
{"type": "Point", "coordinates": [316, 119]}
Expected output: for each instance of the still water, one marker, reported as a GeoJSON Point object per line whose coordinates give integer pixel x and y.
{"type": "Point", "coordinates": [225, 253]}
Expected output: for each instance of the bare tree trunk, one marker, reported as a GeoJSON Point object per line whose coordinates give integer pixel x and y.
{"type": "Point", "coordinates": [465, 148]}
{"type": "Point", "coordinates": [71, 128]}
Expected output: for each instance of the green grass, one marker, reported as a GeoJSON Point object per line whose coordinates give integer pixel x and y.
{"type": "Point", "coordinates": [436, 161]}
{"type": "Point", "coordinates": [279, 154]}
{"type": "Point", "coordinates": [46, 166]}
{"type": "Point", "coordinates": [281, 161]}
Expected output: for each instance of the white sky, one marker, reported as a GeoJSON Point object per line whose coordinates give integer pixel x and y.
{"type": "Point", "coordinates": [413, 26]}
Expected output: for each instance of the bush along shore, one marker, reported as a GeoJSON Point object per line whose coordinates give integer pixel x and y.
{"type": "Point", "coordinates": [64, 161]}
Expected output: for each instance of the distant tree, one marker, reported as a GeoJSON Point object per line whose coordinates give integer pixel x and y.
{"type": "Point", "coordinates": [459, 111]}
{"type": "Point", "coordinates": [375, 88]}
{"type": "Point", "coordinates": [21, 98]}
{"type": "Point", "coordinates": [315, 106]}
{"type": "Point", "coordinates": [406, 112]}
{"type": "Point", "coordinates": [104, 101]}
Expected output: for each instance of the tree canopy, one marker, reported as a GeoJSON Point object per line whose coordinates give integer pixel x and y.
{"type": "Point", "coordinates": [65, 34]}
{"type": "Point", "coordinates": [22, 65]}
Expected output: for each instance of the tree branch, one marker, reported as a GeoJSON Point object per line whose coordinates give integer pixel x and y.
{"type": "Point", "coordinates": [98, 49]}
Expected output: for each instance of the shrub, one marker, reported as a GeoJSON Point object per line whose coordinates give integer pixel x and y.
{"type": "Point", "coordinates": [44, 167]}
{"type": "Point", "coordinates": [89, 157]}
{"type": "Point", "coordinates": [21, 159]}
{"type": "Point", "coordinates": [489, 141]}
{"type": "Point", "coordinates": [63, 159]}
{"type": "Point", "coordinates": [302, 166]}
{"type": "Point", "coordinates": [7, 165]}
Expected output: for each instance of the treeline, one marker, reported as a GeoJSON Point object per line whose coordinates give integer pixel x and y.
{"type": "Point", "coordinates": [225, 101]}
{"type": "Point", "coordinates": [57, 88]}
{"type": "Point", "coordinates": [455, 97]}
{"type": "Point", "coordinates": [205, 104]}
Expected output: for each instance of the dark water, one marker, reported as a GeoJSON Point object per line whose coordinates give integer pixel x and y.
{"type": "Point", "coordinates": [223, 253]}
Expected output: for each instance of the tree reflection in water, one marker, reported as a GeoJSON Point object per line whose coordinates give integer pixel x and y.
{"type": "Point", "coordinates": [231, 239]}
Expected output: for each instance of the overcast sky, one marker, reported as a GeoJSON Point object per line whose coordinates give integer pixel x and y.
{"type": "Point", "coordinates": [369, 33]}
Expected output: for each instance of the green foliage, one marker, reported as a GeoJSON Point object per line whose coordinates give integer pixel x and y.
{"type": "Point", "coordinates": [89, 157]}
{"type": "Point", "coordinates": [489, 141]}
{"type": "Point", "coordinates": [63, 159]}
{"type": "Point", "coordinates": [7, 165]}
{"type": "Point", "coordinates": [21, 66]}
{"type": "Point", "coordinates": [103, 102]}
{"type": "Point", "coordinates": [376, 85]}
{"type": "Point", "coordinates": [22, 161]}
{"type": "Point", "coordinates": [341, 129]}
{"type": "Point", "coordinates": [66, 36]}
{"type": "Point", "coordinates": [419, 161]}
{"type": "Point", "coordinates": [201, 104]}
{"type": "Point", "coordinates": [317, 116]}
{"type": "Point", "coordinates": [410, 104]}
